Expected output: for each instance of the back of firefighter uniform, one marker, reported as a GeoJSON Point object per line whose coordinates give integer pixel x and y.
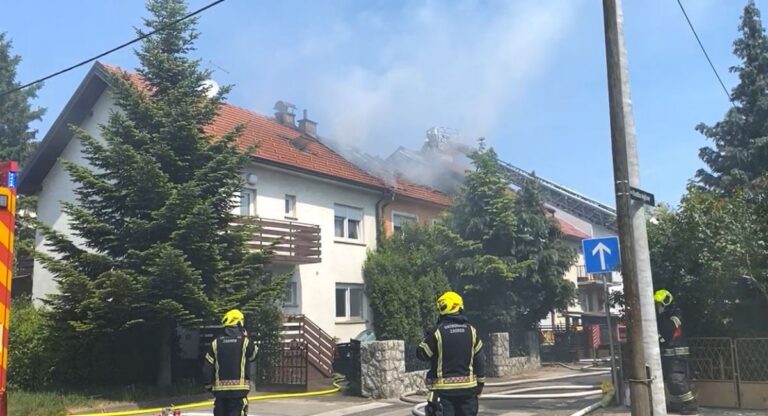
{"type": "Point", "coordinates": [457, 371]}
{"type": "Point", "coordinates": [674, 355]}
{"type": "Point", "coordinates": [226, 367]}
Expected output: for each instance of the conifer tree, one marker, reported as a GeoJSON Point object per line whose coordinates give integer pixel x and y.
{"type": "Point", "coordinates": [17, 140]}
{"type": "Point", "coordinates": [739, 157]}
{"type": "Point", "coordinates": [155, 247]}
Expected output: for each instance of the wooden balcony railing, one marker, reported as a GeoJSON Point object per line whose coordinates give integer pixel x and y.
{"type": "Point", "coordinates": [290, 242]}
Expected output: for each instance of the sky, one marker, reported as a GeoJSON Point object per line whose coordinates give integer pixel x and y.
{"type": "Point", "coordinates": [528, 75]}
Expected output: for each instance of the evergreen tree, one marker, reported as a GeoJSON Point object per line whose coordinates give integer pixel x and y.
{"type": "Point", "coordinates": [17, 141]}
{"type": "Point", "coordinates": [508, 258]}
{"type": "Point", "coordinates": [740, 154]}
{"type": "Point", "coordinates": [156, 246]}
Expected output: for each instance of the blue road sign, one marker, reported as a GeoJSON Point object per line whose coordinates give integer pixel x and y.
{"type": "Point", "coordinates": [601, 255]}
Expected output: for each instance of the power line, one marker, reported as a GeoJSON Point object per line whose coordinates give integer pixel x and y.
{"type": "Point", "coordinates": [116, 48]}
{"type": "Point", "coordinates": [703, 49]}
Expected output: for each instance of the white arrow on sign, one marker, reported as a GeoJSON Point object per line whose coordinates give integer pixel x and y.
{"type": "Point", "coordinates": [602, 249]}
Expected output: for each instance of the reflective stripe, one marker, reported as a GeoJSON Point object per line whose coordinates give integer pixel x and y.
{"type": "Point", "coordinates": [255, 351]}
{"type": "Point", "coordinates": [245, 407]}
{"type": "Point", "coordinates": [439, 339]}
{"type": "Point", "coordinates": [676, 321]}
{"type": "Point", "coordinates": [472, 356]}
{"type": "Point", "coordinates": [242, 361]}
{"type": "Point", "coordinates": [214, 346]}
{"type": "Point", "coordinates": [685, 397]}
{"type": "Point", "coordinates": [451, 383]}
{"type": "Point", "coordinates": [676, 352]}
{"type": "Point", "coordinates": [424, 346]}
{"type": "Point", "coordinates": [209, 358]}
{"type": "Point", "coordinates": [478, 347]}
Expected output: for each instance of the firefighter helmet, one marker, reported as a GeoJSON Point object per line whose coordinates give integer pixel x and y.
{"type": "Point", "coordinates": [450, 303]}
{"type": "Point", "coordinates": [663, 297]}
{"type": "Point", "coordinates": [233, 318]}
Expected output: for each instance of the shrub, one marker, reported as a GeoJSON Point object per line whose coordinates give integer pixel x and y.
{"type": "Point", "coordinates": [29, 364]}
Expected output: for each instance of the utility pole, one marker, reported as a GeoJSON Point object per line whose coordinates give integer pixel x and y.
{"type": "Point", "coordinates": [646, 380]}
{"type": "Point", "coordinates": [615, 378]}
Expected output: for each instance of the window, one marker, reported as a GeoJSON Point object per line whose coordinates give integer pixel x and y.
{"type": "Point", "coordinates": [291, 297]}
{"type": "Point", "coordinates": [247, 202]}
{"type": "Point", "coordinates": [290, 206]}
{"type": "Point", "coordinates": [349, 302]}
{"type": "Point", "coordinates": [399, 219]}
{"type": "Point", "coordinates": [347, 222]}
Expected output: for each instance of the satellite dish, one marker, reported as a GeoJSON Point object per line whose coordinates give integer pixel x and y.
{"type": "Point", "coordinates": [211, 87]}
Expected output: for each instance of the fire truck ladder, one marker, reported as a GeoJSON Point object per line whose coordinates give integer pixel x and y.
{"type": "Point", "coordinates": [565, 199]}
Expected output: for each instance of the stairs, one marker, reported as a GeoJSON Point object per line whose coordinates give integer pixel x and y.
{"type": "Point", "coordinates": [321, 346]}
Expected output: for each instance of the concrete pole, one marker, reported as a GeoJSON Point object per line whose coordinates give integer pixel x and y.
{"type": "Point", "coordinates": [646, 380]}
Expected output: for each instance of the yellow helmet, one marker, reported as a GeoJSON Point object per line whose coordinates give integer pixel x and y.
{"type": "Point", "coordinates": [233, 318]}
{"type": "Point", "coordinates": [663, 297]}
{"type": "Point", "coordinates": [450, 303]}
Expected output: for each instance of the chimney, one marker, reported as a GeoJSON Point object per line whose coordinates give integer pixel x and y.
{"type": "Point", "coordinates": [285, 114]}
{"type": "Point", "coordinates": [308, 126]}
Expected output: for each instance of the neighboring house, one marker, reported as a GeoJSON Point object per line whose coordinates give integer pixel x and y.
{"type": "Point", "coordinates": [441, 163]}
{"type": "Point", "coordinates": [324, 209]}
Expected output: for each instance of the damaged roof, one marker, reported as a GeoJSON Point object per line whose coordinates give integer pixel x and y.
{"type": "Point", "coordinates": [277, 144]}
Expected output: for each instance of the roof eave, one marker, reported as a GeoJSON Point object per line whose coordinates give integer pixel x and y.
{"type": "Point", "coordinates": [58, 136]}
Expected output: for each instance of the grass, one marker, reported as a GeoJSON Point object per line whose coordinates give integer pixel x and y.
{"type": "Point", "coordinates": [45, 403]}
{"type": "Point", "coordinates": [24, 403]}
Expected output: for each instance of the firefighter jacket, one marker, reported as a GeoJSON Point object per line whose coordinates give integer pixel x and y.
{"type": "Point", "coordinates": [225, 369]}
{"type": "Point", "coordinates": [671, 338]}
{"type": "Point", "coordinates": [455, 353]}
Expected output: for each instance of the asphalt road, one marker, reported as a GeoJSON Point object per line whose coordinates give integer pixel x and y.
{"type": "Point", "coordinates": [348, 406]}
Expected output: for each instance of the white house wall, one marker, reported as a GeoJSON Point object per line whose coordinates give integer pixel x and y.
{"type": "Point", "coordinates": [342, 262]}
{"type": "Point", "coordinates": [58, 187]}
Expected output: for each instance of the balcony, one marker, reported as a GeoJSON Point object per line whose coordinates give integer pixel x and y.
{"type": "Point", "coordinates": [583, 278]}
{"type": "Point", "coordinates": [290, 242]}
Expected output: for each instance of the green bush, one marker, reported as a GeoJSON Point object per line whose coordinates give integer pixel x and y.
{"type": "Point", "coordinates": [28, 353]}
{"type": "Point", "coordinates": [403, 280]}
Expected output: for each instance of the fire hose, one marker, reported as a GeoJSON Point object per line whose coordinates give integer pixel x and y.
{"type": "Point", "coordinates": [526, 393]}
{"type": "Point", "coordinates": [338, 381]}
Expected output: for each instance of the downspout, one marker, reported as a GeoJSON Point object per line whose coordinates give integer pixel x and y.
{"type": "Point", "coordinates": [387, 198]}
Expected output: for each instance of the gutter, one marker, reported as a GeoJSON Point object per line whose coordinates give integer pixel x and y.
{"type": "Point", "coordinates": [387, 198]}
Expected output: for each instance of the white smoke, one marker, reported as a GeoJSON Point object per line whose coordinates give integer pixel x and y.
{"type": "Point", "coordinates": [454, 64]}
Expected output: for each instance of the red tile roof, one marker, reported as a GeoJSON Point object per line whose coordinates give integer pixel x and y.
{"type": "Point", "coordinates": [570, 230]}
{"type": "Point", "coordinates": [289, 147]}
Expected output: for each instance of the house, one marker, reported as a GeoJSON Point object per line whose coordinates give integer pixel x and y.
{"type": "Point", "coordinates": [441, 163]}
{"type": "Point", "coordinates": [325, 211]}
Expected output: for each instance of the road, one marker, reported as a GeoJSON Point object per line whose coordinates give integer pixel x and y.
{"type": "Point", "coordinates": [350, 406]}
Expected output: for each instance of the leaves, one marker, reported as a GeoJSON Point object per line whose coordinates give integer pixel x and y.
{"type": "Point", "coordinates": [502, 252]}
{"type": "Point", "coordinates": [153, 245]}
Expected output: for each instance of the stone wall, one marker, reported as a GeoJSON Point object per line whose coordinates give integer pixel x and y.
{"type": "Point", "coordinates": [383, 375]}
{"type": "Point", "coordinates": [382, 371]}
{"type": "Point", "coordinates": [500, 364]}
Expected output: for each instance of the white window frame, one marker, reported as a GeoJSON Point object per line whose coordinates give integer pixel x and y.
{"type": "Point", "coordinates": [252, 205]}
{"type": "Point", "coordinates": [290, 214]}
{"type": "Point", "coordinates": [414, 217]}
{"type": "Point", "coordinates": [346, 209]}
{"type": "Point", "coordinates": [347, 287]}
{"type": "Point", "coordinates": [293, 291]}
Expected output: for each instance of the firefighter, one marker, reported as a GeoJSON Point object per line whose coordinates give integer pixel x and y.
{"type": "Point", "coordinates": [225, 369]}
{"type": "Point", "coordinates": [457, 371]}
{"type": "Point", "coordinates": [674, 355]}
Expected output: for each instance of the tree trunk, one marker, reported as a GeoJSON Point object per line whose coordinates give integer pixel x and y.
{"type": "Point", "coordinates": [164, 361]}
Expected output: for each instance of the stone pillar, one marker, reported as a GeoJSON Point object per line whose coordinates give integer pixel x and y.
{"type": "Point", "coordinates": [498, 355]}
{"type": "Point", "coordinates": [382, 365]}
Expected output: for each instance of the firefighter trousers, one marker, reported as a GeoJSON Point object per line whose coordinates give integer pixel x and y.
{"type": "Point", "coordinates": [230, 406]}
{"type": "Point", "coordinates": [677, 380]}
{"type": "Point", "coordinates": [459, 404]}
